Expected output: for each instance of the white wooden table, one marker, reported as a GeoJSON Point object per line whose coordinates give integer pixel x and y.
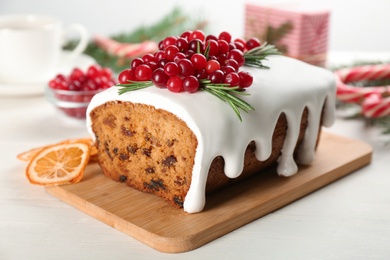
{"type": "Point", "coordinates": [349, 219]}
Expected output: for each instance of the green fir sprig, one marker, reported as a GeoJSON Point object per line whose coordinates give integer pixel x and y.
{"type": "Point", "coordinates": [173, 23]}
{"type": "Point", "coordinates": [255, 56]}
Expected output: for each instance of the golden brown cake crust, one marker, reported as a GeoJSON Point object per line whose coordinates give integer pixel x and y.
{"type": "Point", "coordinates": [152, 150]}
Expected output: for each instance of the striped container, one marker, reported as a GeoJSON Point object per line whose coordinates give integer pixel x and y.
{"type": "Point", "coordinates": [299, 33]}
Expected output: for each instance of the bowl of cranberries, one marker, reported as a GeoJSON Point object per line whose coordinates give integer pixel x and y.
{"type": "Point", "coordinates": [72, 93]}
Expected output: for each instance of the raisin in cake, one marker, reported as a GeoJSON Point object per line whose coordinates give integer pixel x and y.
{"type": "Point", "coordinates": [180, 146]}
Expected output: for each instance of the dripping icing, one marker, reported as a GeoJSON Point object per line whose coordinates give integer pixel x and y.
{"type": "Point", "coordinates": [287, 87]}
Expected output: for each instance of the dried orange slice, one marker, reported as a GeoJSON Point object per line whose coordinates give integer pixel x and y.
{"type": "Point", "coordinates": [28, 155]}
{"type": "Point", "coordinates": [59, 164]}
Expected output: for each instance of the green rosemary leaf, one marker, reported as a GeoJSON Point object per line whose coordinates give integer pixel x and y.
{"type": "Point", "coordinates": [133, 85]}
{"type": "Point", "coordinates": [238, 102]}
{"type": "Point", "coordinates": [222, 87]}
{"type": "Point", "coordinates": [242, 104]}
{"type": "Point", "coordinates": [198, 48]}
{"type": "Point", "coordinates": [255, 56]}
{"type": "Point", "coordinates": [206, 51]}
{"type": "Point", "coordinates": [215, 94]}
{"type": "Point", "coordinates": [222, 95]}
{"type": "Point", "coordinates": [233, 106]}
{"type": "Point", "coordinates": [228, 94]}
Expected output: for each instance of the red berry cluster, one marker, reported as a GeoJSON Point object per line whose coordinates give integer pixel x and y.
{"type": "Point", "coordinates": [79, 87]}
{"type": "Point", "coordinates": [94, 78]}
{"type": "Point", "coordinates": [182, 62]}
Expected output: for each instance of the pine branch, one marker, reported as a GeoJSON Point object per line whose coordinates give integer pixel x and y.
{"type": "Point", "coordinates": [174, 23]}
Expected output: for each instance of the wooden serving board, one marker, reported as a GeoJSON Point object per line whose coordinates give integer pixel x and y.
{"type": "Point", "coordinates": [154, 222]}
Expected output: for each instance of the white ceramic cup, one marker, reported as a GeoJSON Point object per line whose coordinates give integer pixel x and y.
{"type": "Point", "coordinates": [31, 46]}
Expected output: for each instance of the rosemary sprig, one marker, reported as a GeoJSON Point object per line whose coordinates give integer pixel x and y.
{"type": "Point", "coordinates": [255, 56]}
{"type": "Point", "coordinates": [229, 95]}
{"type": "Point", "coordinates": [133, 85]}
{"type": "Point", "coordinates": [221, 91]}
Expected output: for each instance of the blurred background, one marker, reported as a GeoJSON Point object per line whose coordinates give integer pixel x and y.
{"type": "Point", "coordinates": [354, 25]}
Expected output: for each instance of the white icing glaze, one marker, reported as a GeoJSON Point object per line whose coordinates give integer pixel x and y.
{"type": "Point", "coordinates": [287, 87]}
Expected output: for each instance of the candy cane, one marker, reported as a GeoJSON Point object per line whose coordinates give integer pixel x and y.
{"type": "Point", "coordinates": [351, 94]}
{"type": "Point", "coordinates": [128, 50]}
{"type": "Point", "coordinates": [376, 106]}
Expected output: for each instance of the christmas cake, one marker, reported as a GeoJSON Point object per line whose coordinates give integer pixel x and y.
{"type": "Point", "coordinates": [181, 146]}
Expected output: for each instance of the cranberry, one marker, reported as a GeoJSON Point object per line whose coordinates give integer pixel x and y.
{"type": "Point", "coordinates": [223, 46]}
{"type": "Point", "coordinates": [233, 79]}
{"type": "Point", "coordinates": [246, 79]}
{"type": "Point", "coordinates": [211, 37]}
{"type": "Point", "coordinates": [171, 69]}
{"type": "Point", "coordinates": [106, 72]}
{"type": "Point", "coordinates": [175, 84]}
{"type": "Point", "coordinates": [189, 54]}
{"type": "Point", "coordinates": [212, 65]}
{"type": "Point", "coordinates": [227, 69]}
{"type": "Point", "coordinates": [237, 55]}
{"type": "Point", "coordinates": [143, 72]}
{"type": "Point", "coordinates": [201, 74]}
{"type": "Point", "coordinates": [161, 63]}
{"type": "Point", "coordinates": [136, 62]}
{"type": "Point", "coordinates": [148, 58]}
{"type": "Point", "coordinates": [240, 46]}
{"type": "Point", "coordinates": [222, 59]}
{"type": "Point", "coordinates": [170, 52]}
{"type": "Point", "coordinates": [241, 42]}
{"type": "Point", "coordinates": [170, 40]}
{"type": "Point", "coordinates": [199, 61]}
{"type": "Point", "coordinates": [186, 35]}
{"type": "Point", "coordinates": [182, 44]}
{"type": "Point", "coordinates": [191, 84]}
{"type": "Point", "coordinates": [159, 55]}
{"type": "Point", "coordinates": [232, 63]}
{"type": "Point", "coordinates": [216, 77]}
{"type": "Point", "coordinates": [197, 34]}
{"type": "Point", "coordinates": [93, 71]}
{"type": "Point", "coordinates": [178, 56]}
{"type": "Point", "coordinates": [225, 36]}
{"type": "Point", "coordinates": [186, 67]}
{"type": "Point", "coordinates": [196, 45]}
{"type": "Point", "coordinates": [152, 64]}
{"type": "Point", "coordinates": [161, 45]}
{"type": "Point", "coordinates": [159, 78]}
{"type": "Point", "coordinates": [213, 47]}
{"type": "Point", "coordinates": [76, 74]}
{"type": "Point", "coordinates": [252, 43]}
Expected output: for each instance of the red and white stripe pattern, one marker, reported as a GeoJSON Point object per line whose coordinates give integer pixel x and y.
{"type": "Point", "coordinates": [351, 94]}
{"type": "Point", "coordinates": [127, 50]}
{"type": "Point", "coordinates": [375, 101]}
{"type": "Point", "coordinates": [375, 106]}
{"type": "Point", "coordinates": [307, 41]}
